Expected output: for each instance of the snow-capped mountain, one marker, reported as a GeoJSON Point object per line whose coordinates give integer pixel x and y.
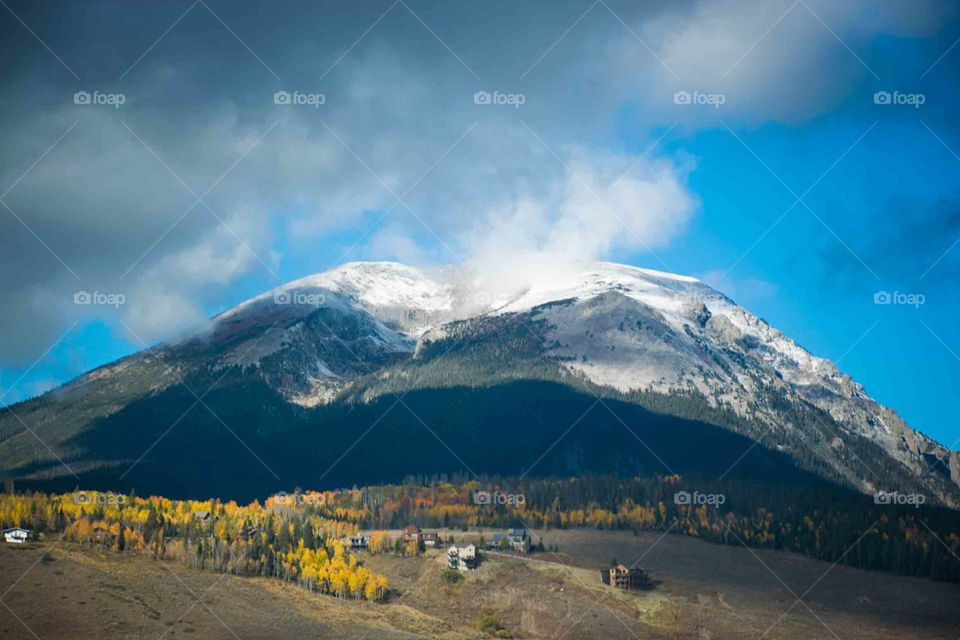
{"type": "Point", "coordinates": [364, 331]}
{"type": "Point", "coordinates": [624, 327]}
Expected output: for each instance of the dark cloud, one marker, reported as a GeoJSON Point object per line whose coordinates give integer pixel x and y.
{"type": "Point", "coordinates": [115, 199]}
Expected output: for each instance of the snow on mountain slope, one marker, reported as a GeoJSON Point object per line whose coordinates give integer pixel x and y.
{"type": "Point", "coordinates": [408, 301]}
{"type": "Point", "coordinates": [637, 329]}
{"type": "Point", "coordinates": [681, 302]}
{"type": "Point", "coordinates": [616, 325]}
{"type": "Point", "coordinates": [390, 291]}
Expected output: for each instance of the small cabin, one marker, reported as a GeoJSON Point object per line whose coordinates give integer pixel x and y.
{"type": "Point", "coordinates": [411, 533]}
{"type": "Point", "coordinates": [102, 535]}
{"type": "Point", "coordinates": [359, 542]}
{"type": "Point", "coordinates": [17, 535]}
{"type": "Point", "coordinates": [431, 538]}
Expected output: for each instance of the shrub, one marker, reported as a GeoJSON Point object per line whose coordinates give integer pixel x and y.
{"type": "Point", "coordinates": [488, 624]}
{"type": "Point", "coordinates": [452, 576]}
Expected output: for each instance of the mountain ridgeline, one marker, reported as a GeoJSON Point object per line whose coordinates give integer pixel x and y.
{"type": "Point", "coordinates": [374, 371]}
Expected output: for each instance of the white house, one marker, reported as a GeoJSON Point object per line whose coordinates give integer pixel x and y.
{"type": "Point", "coordinates": [16, 534]}
{"type": "Point", "coordinates": [462, 558]}
{"type": "Point", "coordinates": [514, 539]}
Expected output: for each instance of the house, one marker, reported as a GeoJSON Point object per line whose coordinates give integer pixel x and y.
{"type": "Point", "coordinates": [462, 558]}
{"type": "Point", "coordinates": [517, 539]}
{"type": "Point", "coordinates": [102, 535]}
{"type": "Point", "coordinates": [202, 516]}
{"type": "Point", "coordinates": [359, 542]}
{"type": "Point", "coordinates": [626, 578]}
{"type": "Point", "coordinates": [247, 533]}
{"type": "Point", "coordinates": [517, 534]}
{"type": "Point", "coordinates": [497, 541]}
{"type": "Point", "coordinates": [430, 538]}
{"type": "Point", "coordinates": [17, 534]}
{"type": "Point", "coordinates": [411, 533]}
{"type": "Point", "coordinates": [513, 539]}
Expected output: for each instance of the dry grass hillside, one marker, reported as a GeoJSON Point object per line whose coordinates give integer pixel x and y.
{"type": "Point", "coordinates": [59, 590]}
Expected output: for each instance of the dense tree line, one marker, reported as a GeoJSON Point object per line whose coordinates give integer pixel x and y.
{"type": "Point", "coordinates": [280, 541]}
{"type": "Point", "coordinates": [300, 537]}
{"type": "Point", "coordinates": [823, 522]}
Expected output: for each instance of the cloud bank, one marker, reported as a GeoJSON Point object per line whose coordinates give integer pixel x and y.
{"type": "Point", "coordinates": [199, 181]}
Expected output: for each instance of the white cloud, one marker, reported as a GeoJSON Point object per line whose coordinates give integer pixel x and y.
{"type": "Point", "coordinates": [395, 243]}
{"type": "Point", "coordinates": [601, 202]}
{"type": "Point", "coordinates": [167, 299]}
{"type": "Point", "coordinates": [772, 60]}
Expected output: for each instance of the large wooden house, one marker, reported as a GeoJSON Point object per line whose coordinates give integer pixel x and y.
{"type": "Point", "coordinates": [626, 578]}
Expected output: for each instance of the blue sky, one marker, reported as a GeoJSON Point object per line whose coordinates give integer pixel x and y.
{"type": "Point", "coordinates": [105, 199]}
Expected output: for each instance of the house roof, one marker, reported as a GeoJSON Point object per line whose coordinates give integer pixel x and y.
{"type": "Point", "coordinates": [468, 551]}
{"type": "Point", "coordinates": [17, 529]}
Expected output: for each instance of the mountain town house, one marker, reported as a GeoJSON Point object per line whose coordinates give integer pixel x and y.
{"type": "Point", "coordinates": [17, 535]}
{"type": "Point", "coordinates": [412, 533]}
{"type": "Point", "coordinates": [462, 558]}
{"type": "Point", "coordinates": [626, 578]}
{"type": "Point", "coordinates": [513, 539]}
{"type": "Point", "coordinates": [359, 542]}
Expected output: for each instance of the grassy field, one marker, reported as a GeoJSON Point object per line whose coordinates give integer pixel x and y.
{"type": "Point", "coordinates": [721, 591]}
{"type": "Point", "coordinates": [59, 590]}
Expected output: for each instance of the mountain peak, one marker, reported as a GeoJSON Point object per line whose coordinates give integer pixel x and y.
{"type": "Point", "coordinates": [366, 329]}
